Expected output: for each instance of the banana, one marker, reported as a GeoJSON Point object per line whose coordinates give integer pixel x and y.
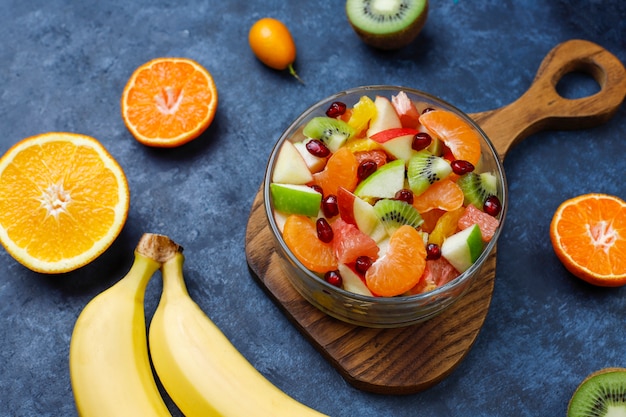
{"type": "Point", "coordinates": [109, 364]}
{"type": "Point", "coordinates": [203, 373]}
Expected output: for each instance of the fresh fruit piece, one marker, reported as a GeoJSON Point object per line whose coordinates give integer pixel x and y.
{"type": "Point", "coordinates": [353, 282]}
{"type": "Point", "coordinates": [340, 171]}
{"type": "Point", "coordinates": [314, 163]}
{"type": "Point", "coordinates": [362, 113]}
{"type": "Point", "coordinates": [443, 195]}
{"type": "Point", "coordinates": [424, 169]}
{"type": "Point", "coordinates": [398, 142]}
{"type": "Point", "coordinates": [384, 183]}
{"type": "Point", "coordinates": [387, 24]}
{"type": "Point", "coordinates": [272, 43]}
{"type": "Point", "coordinates": [295, 199]}
{"type": "Point", "coordinates": [436, 273]}
{"type": "Point", "coordinates": [385, 118]}
{"type": "Point", "coordinates": [457, 134]}
{"type": "Point", "coordinates": [201, 370]}
{"type": "Point", "coordinates": [603, 393]}
{"type": "Point", "coordinates": [395, 213]}
{"type": "Point", "coordinates": [401, 267]}
{"type": "Point", "coordinates": [488, 224]}
{"type": "Point", "coordinates": [363, 145]}
{"type": "Point", "coordinates": [350, 243]}
{"type": "Point", "coordinates": [109, 362]}
{"type": "Point", "coordinates": [430, 218]}
{"type": "Point", "coordinates": [588, 234]}
{"type": "Point", "coordinates": [377, 155]}
{"type": "Point", "coordinates": [463, 248]}
{"type": "Point", "coordinates": [332, 132]}
{"type": "Point", "coordinates": [300, 235]}
{"type": "Point", "coordinates": [477, 187]}
{"type": "Point", "coordinates": [168, 102]}
{"type": "Point", "coordinates": [63, 201]}
{"type": "Point", "coordinates": [290, 166]}
{"type": "Point", "coordinates": [406, 109]}
{"type": "Point", "coordinates": [355, 211]}
{"type": "Point", "coordinates": [447, 225]}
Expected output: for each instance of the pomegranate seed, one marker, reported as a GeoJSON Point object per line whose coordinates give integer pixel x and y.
{"type": "Point", "coordinates": [329, 206]}
{"type": "Point", "coordinates": [362, 264]}
{"type": "Point", "coordinates": [492, 205]}
{"type": "Point", "coordinates": [317, 148]}
{"type": "Point", "coordinates": [427, 109]}
{"type": "Point", "coordinates": [366, 168]}
{"type": "Point", "coordinates": [460, 166]}
{"type": "Point", "coordinates": [433, 251]}
{"type": "Point", "coordinates": [324, 230]}
{"type": "Point", "coordinates": [421, 141]}
{"type": "Point", "coordinates": [317, 188]}
{"type": "Point", "coordinates": [404, 195]}
{"type": "Point", "coordinates": [333, 278]}
{"type": "Point", "coordinates": [336, 108]}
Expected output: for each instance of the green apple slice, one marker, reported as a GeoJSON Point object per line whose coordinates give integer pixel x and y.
{"type": "Point", "coordinates": [463, 248]}
{"type": "Point", "coordinates": [295, 199]}
{"type": "Point", "coordinates": [290, 167]}
{"type": "Point", "coordinates": [384, 183]}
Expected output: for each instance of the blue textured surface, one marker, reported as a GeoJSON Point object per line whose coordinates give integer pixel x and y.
{"type": "Point", "coordinates": [64, 65]}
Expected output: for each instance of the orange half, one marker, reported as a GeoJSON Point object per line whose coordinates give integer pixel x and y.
{"type": "Point", "coordinates": [168, 102]}
{"type": "Point", "coordinates": [588, 235]}
{"type": "Point", "coordinates": [63, 201]}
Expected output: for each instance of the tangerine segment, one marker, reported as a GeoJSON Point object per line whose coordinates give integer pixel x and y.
{"type": "Point", "coordinates": [444, 195]}
{"type": "Point", "coordinates": [300, 235]}
{"type": "Point", "coordinates": [63, 201]}
{"type": "Point", "coordinates": [340, 171]}
{"type": "Point", "coordinates": [457, 134]}
{"type": "Point", "coordinates": [588, 234]}
{"type": "Point", "coordinates": [401, 267]}
{"type": "Point", "coordinates": [169, 101]}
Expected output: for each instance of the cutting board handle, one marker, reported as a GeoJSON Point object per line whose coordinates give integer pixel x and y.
{"type": "Point", "coordinates": [542, 107]}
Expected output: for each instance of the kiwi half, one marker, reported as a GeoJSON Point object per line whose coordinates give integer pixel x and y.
{"type": "Point", "coordinates": [395, 213]}
{"type": "Point", "coordinates": [332, 132]}
{"type": "Point", "coordinates": [387, 24]}
{"type": "Point", "coordinates": [603, 393]}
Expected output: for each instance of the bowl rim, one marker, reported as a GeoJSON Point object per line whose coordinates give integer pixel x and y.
{"type": "Point", "coordinates": [401, 299]}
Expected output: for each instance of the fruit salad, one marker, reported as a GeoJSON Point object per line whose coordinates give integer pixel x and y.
{"type": "Point", "coordinates": [384, 198]}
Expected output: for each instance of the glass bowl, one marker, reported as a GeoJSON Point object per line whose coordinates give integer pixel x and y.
{"type": "Point", "coordinates": [371, 311]}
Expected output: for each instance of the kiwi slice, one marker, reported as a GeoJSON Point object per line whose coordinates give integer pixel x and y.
{"type": "Point", "coordinates": [332, 132]}
{"type": "Point", "coordinates": [395, 213]}
{"type": "Point", "coordinates": [603, 393]}
{"type": "Point", "coordinates": [387, 24]}
{"type": "Point", "coordinates": [477, 187]}
{"type": "Point", "coordinates": [424, 169]}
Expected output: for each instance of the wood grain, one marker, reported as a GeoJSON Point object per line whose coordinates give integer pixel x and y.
{"type": "Point", "coordinates": [410, 359]}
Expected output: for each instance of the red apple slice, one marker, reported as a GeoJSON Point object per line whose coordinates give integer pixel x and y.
{"type": "Point", "coordinates": [386, 116]}
{"type": "Point", "coordinates": [354, 210]}
{"type": "Point", "coordinates": [388, 134]}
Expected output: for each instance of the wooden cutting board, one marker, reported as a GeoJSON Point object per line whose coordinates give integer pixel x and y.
{"type": "Point", "coordinates": [410, 359]}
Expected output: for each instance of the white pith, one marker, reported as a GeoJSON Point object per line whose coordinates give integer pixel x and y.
{"type": "Point", "coordinates": [55, 200]}
{"type": "Point", "coordinates": [169, 100]}
{"type": "Point", "coordinates": [603, 235]}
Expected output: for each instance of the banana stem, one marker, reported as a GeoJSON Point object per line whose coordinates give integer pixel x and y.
{"type": "Point", "coordinates": [173, 279]}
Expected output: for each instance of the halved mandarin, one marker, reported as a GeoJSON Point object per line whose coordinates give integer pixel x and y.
{"type": "Point", "coordinates": [300, 235]}
{"type": "Point", "coordinates": [402, 265]}
{"type": "Point", "coordinates": [458, 135]}
{"type": "Point", "coordinates": [169, 101]}
{"type": "Point", "coordinates": [588, 234]}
